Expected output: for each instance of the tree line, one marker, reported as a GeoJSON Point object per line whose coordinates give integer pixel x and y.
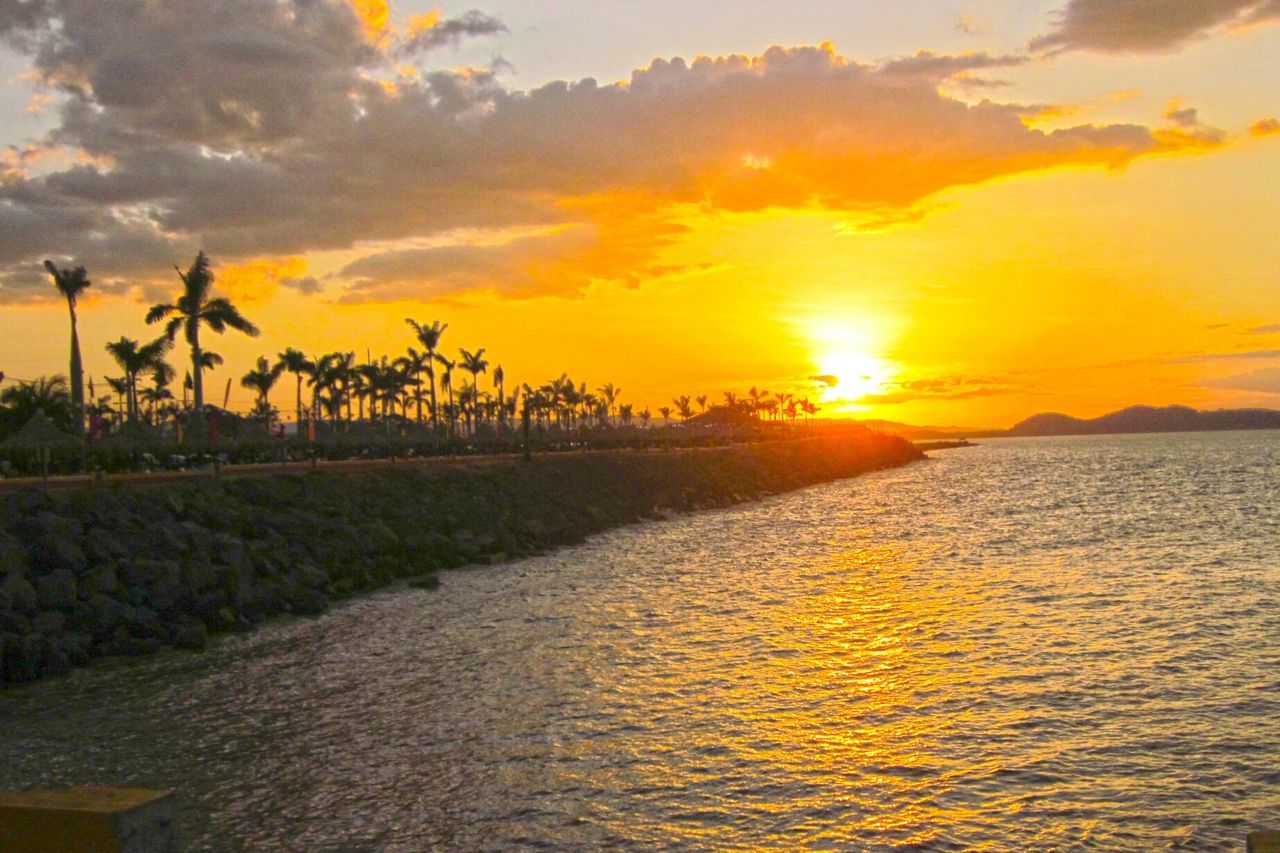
{"type": "Point", "coordinates": [459, 396]}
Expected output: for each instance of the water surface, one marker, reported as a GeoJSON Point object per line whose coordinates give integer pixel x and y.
{"type": "Point", "coordinates": [1031, 644]}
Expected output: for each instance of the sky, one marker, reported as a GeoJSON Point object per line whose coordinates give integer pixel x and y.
{"type": "Point", "coordinates": [964, 212]}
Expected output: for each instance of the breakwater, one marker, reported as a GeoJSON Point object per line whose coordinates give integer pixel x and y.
{"type": "Point", "coordinates": [96, 572]}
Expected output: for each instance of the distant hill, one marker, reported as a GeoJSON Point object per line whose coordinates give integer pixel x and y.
{"type": "Point", "coordinates": [1148, 419]}
{"type": "Point", "coordinates": [921, 432]}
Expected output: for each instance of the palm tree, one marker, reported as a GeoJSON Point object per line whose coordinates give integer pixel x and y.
{"type": "Point", "coordinates": [119, 385]}
{"type": "Point", "coordinates": [610, 395]}
{"type": "Point", "coordinates": [261, 379]}
{"type": "Point", "coordinates": [415, 364]}
{"type": "Point", "coordinates": [48, 394]}
{"type": "Point", "coordinates": [71, 283]}
{"type": "Point", "coordinates": [446, 384]}
{"type": "Point", "coordinates": [702, 402]}
{"type": "Point", "coordinates": [683, 407]}
{"type": "Point", "coordinates": [193, 309]}
{"type": "Point", "coordinates": [499, 380]}
{"type": "Point", "coordinates": [645, 415]}
{"type": "Point", "coordinates": [731, 399]}
{"type": "Point", "coordinates": [624, 414]}
{"type": "Point", "coordinates": [784, 402]}
{"type": "Point", "coordinates": [475, 364]}
{"type": "Point", "coordinates": [429, 337]}
{"type": "Point", "coordinates": [134, 359]}
{"type": "Point", "coordinates": [296, 363]}
{"type": "Point", "coordinates": [665, 411]}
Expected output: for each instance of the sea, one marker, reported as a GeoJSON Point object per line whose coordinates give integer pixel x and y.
{"type": "Point", "coordinates": [1029, 644]}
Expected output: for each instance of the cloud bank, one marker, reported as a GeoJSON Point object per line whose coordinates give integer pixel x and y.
{"type": "Point", "coordinates": [1148, 26]}
{"type": "Point", "coordinates": [274, 128]}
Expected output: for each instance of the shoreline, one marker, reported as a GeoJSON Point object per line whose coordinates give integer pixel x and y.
{"type": "Point", "coordinates": [102, 572]}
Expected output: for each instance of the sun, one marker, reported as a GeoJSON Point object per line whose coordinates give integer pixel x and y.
{"type": "Point", "coordinates": [850, 366]}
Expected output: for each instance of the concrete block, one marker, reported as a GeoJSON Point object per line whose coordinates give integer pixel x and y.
{"type": "Point", "coordinates": [87, 820]}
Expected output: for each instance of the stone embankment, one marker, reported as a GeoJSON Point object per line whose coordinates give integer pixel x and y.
{"type": "Point", "coordinates": [101, 571]}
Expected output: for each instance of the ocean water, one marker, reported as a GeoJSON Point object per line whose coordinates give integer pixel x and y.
{"type": "Point", "coordinates": [1035, 644]}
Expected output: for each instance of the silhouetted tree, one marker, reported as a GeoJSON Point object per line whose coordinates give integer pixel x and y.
{"type": "Point", "coordinates": [71, 282]}
{"type": "Point", "coordinates": [194, 308]}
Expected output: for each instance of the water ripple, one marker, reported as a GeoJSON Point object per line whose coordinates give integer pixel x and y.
{"type": "Point", "coordinates": [1065, 644]}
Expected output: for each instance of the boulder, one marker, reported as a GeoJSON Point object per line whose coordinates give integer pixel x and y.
{"type": "Point", "coordinates": [20, 593]}
{"type": "Point", "coordinates": [13, 557]}
{"type": "Point", "coordinates": [57, 590]}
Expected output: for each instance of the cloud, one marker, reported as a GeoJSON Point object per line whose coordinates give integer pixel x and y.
{"type": "Point", "coordinates": [1147, 26]}
{"type": "Point", "coordinates": [1269, 329]}
{"type": "Point", "coordinates": [275, 128]}
{"type": "Point", "coordinates": [307, 286]}
{"type": "Point", "coordinates": [1227, 356]}
{"type": "Point", "coordinates": [1265, 380]}
{"type": "Point", "coordinates": [936, 388]}
{"type": "Point", "coordinates": [1264, 127]}
{"type": "Point", "coordinates": [428, 32]}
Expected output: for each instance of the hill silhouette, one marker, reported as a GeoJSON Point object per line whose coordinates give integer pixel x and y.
{"type": "Point", "coordinates": [1147, 419]}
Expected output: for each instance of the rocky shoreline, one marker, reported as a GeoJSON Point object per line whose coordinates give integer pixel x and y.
{"type": "Point", "coordinates": [127, 570]}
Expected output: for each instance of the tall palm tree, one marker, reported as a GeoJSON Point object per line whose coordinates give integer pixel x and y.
{"type": "Point", "coordinates": [683, 407]}
{"type": "Point", "coordinates": [416, 363]}
{"type": "Point", "coordinates": [475, 364]}
{"type": "Point", "coordinates": [296, 363]}
{"type": "Point", "coordinates": [71, 282]}
{"type": "Point", "coordinates": [193, 309]}
{"type": "Point", "coordinates": [702, 402]}
{"type": "Point", "coordinates": [429, 337]}
{"type": "Point", "coordinates": [135, 359]}
{"type": "Point", "coordinates": [261, 379]}
{"type": "Point", "coordinates": [609, 394]}
{"type": "Point", "coordinates": [446, 384]}
{"type": "Point", "coordinates": [499, 384]}
{"type": "Point", "coordinates": [665, 411]}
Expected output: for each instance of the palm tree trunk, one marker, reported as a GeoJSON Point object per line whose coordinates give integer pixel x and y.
{"type": "Point", "coordinates": [77, 374]}
{"type": "Point", "coordinates": [197, 373]}
{"type": "Point", "coordinates": [431, 375]}
{"type": "Point", "coordinates": [299, 406]}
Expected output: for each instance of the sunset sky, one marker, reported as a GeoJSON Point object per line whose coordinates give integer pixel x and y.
{"type": "Point", "coordinates": [969, 212]}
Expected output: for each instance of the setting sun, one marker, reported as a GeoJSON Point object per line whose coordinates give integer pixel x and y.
{"type": "Point", "coordinates": [849, 366]}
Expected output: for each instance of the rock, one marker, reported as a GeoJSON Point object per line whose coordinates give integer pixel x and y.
{"type": "Point", "coordinates": [190, 634]}
{"type": "Point", "coordinates": [21, 594]}
{"type": "Point", "coordinates": [19, 659]}
{"type": "Point", "coordinates": [57, 591]}
{"type": "Point", "coordinates": [13, 557]}
{"type": "Point", "coordinates": [309, 602]}
{"type": "Point", "coordinates": [101, 579]}
{"type": "Point", "coordinates": [431, 581]}
{"type": "Point", "coordinates": [52, 555]}
{"type": "Point", "coordinates": [104, 545]}
{"type": "Point", "coordinates": [101, 615]}
{"type": "Point", "coordinates": [50, 623]}
{"type": "Point", "coordinates": [195, 539]}
{"type": "Point", "coordinates": [229, 550]}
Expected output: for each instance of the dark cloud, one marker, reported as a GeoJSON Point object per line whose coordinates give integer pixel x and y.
{"type": "Point", "coordinates": [1263, 381]}
{"type": "Point", "coordinates": [1269, 329]}
{"type": "Point", "coordinates": [937, 388]}
{"type": "Point", "coordinates": [1227, 356]}
{"type": "Point", "coordinates": [307, 286]}
{"type": "Point", "coordinates": [269, 127]}
{"type": "Point", "coordinates": [1146, 26]}
{"type": "Point", "coordinates": [450, 32]}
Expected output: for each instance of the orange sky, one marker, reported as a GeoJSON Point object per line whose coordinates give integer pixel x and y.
{"type": "Point", "coordinates": [1028, 218]}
